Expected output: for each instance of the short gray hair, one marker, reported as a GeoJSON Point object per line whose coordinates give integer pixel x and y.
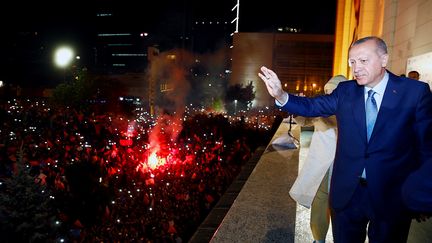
{"type": "Point", "coordinates": [380, 43]}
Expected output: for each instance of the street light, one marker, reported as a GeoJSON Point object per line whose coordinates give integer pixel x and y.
{"type": "Point", "coordinates": [235, 106]}
{"type": "Point", "coordinates": [63, 57]}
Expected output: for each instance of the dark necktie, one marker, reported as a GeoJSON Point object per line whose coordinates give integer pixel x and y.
{"type": "Point", "coordinates": [371, 112]}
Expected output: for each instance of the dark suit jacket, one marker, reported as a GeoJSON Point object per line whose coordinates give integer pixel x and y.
{"type": "Point", "coordinates": [417, 190]}
{"type": "Point", "coordinates": [400, 142]}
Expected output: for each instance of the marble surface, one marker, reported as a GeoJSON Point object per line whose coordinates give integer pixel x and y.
{"type": "Point", "coordinates": [208, 227]}
{"type": "Point", "coordinates": [263, 211]}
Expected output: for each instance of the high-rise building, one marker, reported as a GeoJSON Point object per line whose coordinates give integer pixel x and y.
{"type": "Point", "coordinates": [124, 30]}
{"type": "Point", "coordinates": [119, 42]}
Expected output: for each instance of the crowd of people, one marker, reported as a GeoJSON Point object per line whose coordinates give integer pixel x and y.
{"type": "Point", "coordinates": [96, 171]}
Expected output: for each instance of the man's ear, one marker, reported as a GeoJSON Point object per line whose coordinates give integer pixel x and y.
{"type": "Point", "coordinates": [384, 60]}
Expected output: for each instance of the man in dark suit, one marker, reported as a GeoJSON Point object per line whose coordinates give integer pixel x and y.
{"type": "Point", "coordinates": [383, 136]}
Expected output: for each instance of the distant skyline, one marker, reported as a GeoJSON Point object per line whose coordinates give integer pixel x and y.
{"type": "Point", "coordinates": [31, 31]}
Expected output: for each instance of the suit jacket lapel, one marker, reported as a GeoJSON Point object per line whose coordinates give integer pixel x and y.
{"type": "Point", "coordinates": [390, 99]}
{"type": "Point", "coordinates": [358, 110]}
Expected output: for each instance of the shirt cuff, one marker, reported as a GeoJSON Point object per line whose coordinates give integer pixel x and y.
{"type": "Point", "coordinates": [282, 104]}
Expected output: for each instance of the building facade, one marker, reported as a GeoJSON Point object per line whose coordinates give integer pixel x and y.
{"type": "Point", "coordinates": [404, 25]}
{"type": "Point", "coordinates": [303, 62]}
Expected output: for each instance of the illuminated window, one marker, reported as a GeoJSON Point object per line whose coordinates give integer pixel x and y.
{"type": "Point", "coordinates": [119, 44]}
{"type": "Point", "coordinates": [129, 54]}
{"type": "Point", "coordinates": [104, 14]}
{"type": "Point", "coordinates": [164, 87]}
{"type": "Point", "coordinates": [114, 34]}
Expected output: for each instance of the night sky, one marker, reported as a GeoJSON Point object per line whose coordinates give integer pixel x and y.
{"type": "Point", "coordinates": [30, 30]}
{"type": "Point", "coordinates": [254, 15]}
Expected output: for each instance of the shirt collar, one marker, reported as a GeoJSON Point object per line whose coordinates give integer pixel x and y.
{"type": "Point", "coordinates": [381, 86]}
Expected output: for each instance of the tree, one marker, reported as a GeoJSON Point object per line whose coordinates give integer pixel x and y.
{"type": "Point", "coordinates": [87, 87]}
{"type": "Point", "coordinates": [26, 210]}
{"type": "Point", "coordinates": [75, 92]}
{"type": "Point", "coordinates": [239, 97]}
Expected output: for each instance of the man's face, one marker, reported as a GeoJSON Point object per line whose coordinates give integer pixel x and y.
{"type": "Point", "coordinates": [367, 63]}
{"type": "Point", "coordinates": [413, 75]}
